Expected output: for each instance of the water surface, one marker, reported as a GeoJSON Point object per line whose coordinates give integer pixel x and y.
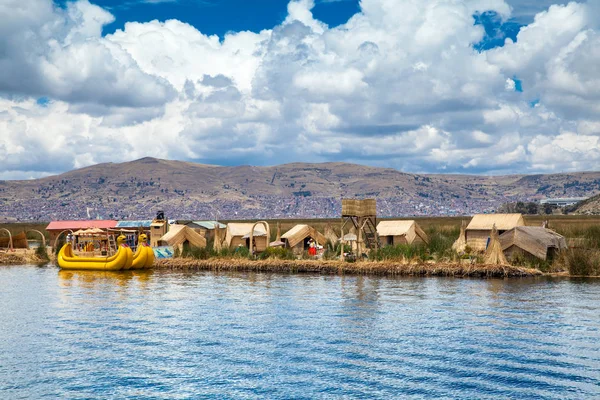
{"type": "Point", "coordinates": [246, 335]}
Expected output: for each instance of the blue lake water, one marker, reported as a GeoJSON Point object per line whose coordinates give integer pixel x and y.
{"type": "Point", "coordinates": [180, 335]}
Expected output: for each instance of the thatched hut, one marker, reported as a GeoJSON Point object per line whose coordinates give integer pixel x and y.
{"type": "Point", "coordinates": [298, 237]}
{"type": "Point", "coordinates": [178, 235]}
{"type": "Point", "coordinates": [205, 228]}
{"type": "Point", "coordinates": [479, 230]}
{"type": "Point", "coordinates": [532, 242]}
{"type": "Point", "coordinates": [392, 233]}
{"type": "Point", "coordinates": [238, 233]}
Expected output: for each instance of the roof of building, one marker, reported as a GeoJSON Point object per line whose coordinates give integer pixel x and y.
{"type": "Point", "coordinates": [534, 239]}
{"type": "Point", "coordinates": [244, 228]}
{"type": "Point", "coordinates": [209, 224]}
{"type": "Point", "coordinates": [134, 224]}
{"type": "Point", "coordinates": [394, 228]}
{"type": "Point", "coordinates": [503, 222]}
{"type": "Point", "coordinates": [299, 232]}
{"type": "Point", "coordinates": [180, 233]}
{"type": "Point", "coordinates": [83, 224]}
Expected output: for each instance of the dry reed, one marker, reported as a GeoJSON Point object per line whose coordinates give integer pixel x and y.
{"type": "Point", "coordinates": [339, 267]}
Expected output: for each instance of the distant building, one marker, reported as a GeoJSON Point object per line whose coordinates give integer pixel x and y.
{"type": "Point", "coordinates": [562, 202]}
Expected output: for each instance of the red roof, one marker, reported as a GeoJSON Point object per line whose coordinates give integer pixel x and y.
{"type": "Point", "coordinates": [73, 225]}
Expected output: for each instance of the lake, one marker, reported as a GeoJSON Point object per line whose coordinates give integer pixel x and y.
{"type": "Point", "coordinates": [173, 335]}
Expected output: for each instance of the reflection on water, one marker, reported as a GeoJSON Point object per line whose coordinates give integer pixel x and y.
{"type": "Point", "coordinates": [172, 335]}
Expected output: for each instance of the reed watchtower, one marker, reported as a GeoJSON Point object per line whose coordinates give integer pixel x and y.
{"type": "Point", "coordinates": [362, 214]}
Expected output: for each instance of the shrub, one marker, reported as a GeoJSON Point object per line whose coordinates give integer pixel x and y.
{"type": "Point", "coordinates": [279, 253]}
{"type": "Point", "coordinates": [400, 252]}
{"type": "Point", "coordinates": [42, 253]}
{"type": "Point", "coordinates": [583, 262]}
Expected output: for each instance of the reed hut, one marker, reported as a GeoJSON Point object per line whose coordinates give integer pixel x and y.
{"type": "Point", "coordinates": [532, 242]}
{"type": "Point", "coordinates": [392, 233]}
{"type": "Point", "coordinates": [298, 237]}
{"type": "Point", "coordinates": [238, 233]}
{"type": "Point", "coordinates": [178, 235]}
{"type": "Point", "coordinates": [205, 228]}
{"type": "Point", "coordinates": [479, 230]}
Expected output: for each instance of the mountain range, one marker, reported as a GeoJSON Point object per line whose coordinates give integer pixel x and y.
{"type": "Point", "coordinates": [186, 190]}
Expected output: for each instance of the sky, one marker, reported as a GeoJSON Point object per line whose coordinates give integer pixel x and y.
{"type": "Point", "coordinates": [428, 86]}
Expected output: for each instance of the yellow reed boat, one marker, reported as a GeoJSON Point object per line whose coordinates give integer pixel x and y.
{"type": "Point", "coordinates": [121, 260]}
{"type": "Point", "coordinates": [144, 255]}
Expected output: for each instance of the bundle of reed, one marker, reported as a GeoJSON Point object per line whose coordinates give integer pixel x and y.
{"type": "Point", "coordinates": [10, 258]}
{"type": "Point", "coordinates": [339, 267]}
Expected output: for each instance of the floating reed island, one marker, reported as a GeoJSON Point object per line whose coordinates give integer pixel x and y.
{"type": "Point", "coordinates": [333, 267]}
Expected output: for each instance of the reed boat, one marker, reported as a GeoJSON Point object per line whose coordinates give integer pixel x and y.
{"type": "Point", "coordinates": [121, 260]}
{"type": "Point", "coordinates": [144, 255]}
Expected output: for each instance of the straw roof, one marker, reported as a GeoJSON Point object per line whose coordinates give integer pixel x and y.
{"type": "Point", "coordinates": [244, 228]}
{"type": "Point", "coordinates": [178, 234]}
{"type": "Point", "coordinates": [503, 222]}
{"type": "Point", "coordinates": [349, 237]}
{"type": "Point", "coordinates": [89, 232]}
{"type": "Point", "coordinates": [300, 232]}
{"type": "Point", "coordinates": [408, 228]}
{"type": "Point", "coordinates": [533, 239]}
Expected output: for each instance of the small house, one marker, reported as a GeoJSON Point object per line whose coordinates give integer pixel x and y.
{"type": "Point", "coordinates": [238, 233]}
{"type": "Point", "coordinates": [179, 235]}
{"type": "Point", "coordinates": [392, 233]}
{"type": "Point", "coordinates": [479, 230]}
{"type": "Point", "coordinates": [205, 228]}
{"type": "Point", "coordinates": [298, 237]}
{"type": "Point", "coordinates": [532, 241]}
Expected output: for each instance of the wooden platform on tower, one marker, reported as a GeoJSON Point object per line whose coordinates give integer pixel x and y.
{"type": "Point", "coordinates": [362, 215]}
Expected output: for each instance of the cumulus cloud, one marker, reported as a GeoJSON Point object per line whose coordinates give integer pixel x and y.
{"type": "Point", "coordinates": [400, 84]}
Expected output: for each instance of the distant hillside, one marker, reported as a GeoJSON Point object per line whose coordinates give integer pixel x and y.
{"type": "Point", "coordinates": [588, 206]}
{"type": "Point", "coordinates": [139, 188]}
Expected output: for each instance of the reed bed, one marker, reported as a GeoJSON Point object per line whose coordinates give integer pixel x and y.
{"type": "Point", "coordinates": [21, 257]}
{"type": "Point", "coordinates": [343, 268]}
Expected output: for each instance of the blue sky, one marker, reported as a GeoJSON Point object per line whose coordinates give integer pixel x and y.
{"type": "Point", "coordinates": [440, 86]}
{"type": "Point", "coordinates": [220, 16]}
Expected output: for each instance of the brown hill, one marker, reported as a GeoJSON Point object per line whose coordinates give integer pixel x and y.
{"type": "Point", "coordinates": [139, 188]}
{"type": "Point", "coordinates": [590, 206]}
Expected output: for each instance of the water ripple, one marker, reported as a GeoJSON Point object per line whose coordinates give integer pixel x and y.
{"type": "Point", "coordinates": [240, 335]}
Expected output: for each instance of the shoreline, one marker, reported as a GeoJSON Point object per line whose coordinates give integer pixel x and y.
{"type": "Point", "coordinates": [327, 267]}
{"type": "Point", "coordinates": [332, 267]}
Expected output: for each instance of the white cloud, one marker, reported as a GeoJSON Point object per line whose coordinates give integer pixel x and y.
{"type": "Point", "coordinates": [398, 85]}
